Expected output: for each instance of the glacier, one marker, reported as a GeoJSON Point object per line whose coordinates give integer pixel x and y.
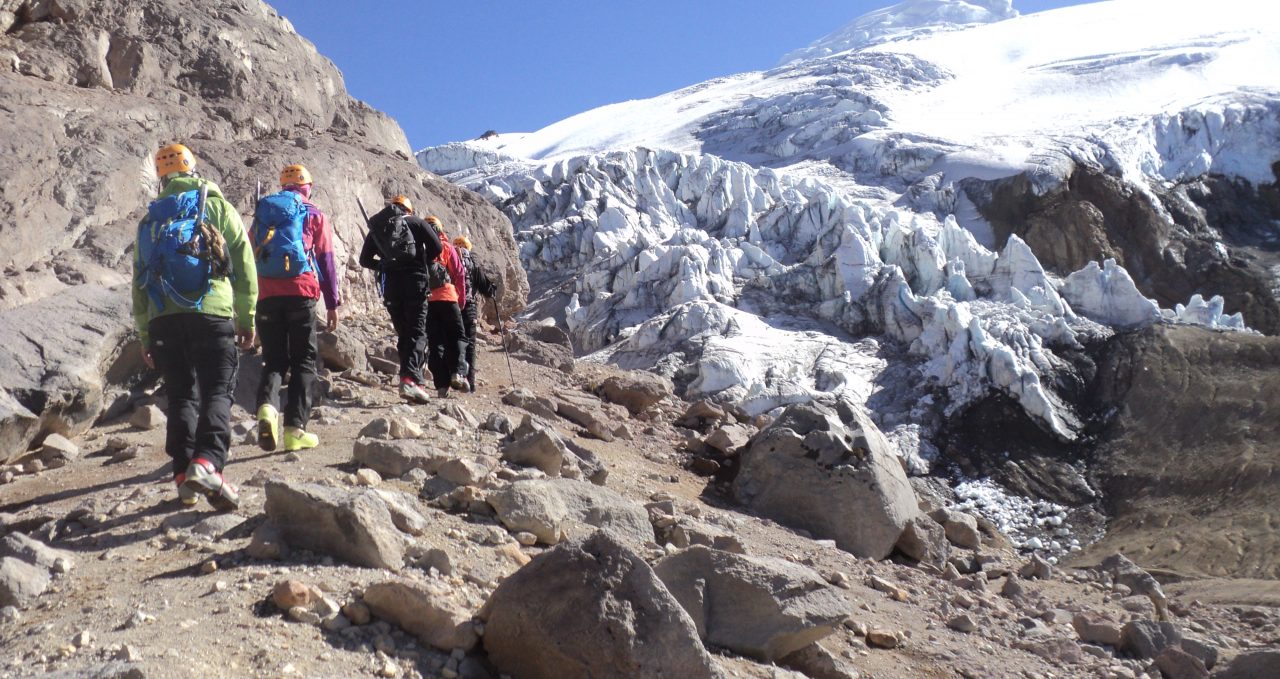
{"type": "Point", "coordinates": [801, 233]}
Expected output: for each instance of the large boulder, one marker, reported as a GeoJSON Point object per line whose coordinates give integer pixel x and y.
{"type": "Point", "coordinates": [925, 541]}
{"type": "Point", "coordinates": [762, 607]}
{"type": "Point", "coordinates": [356, 527]}
{"type": "Point", "coordinates": [20, 582]}
{"type": "Point", "coordinates": [636, 390]}
{"type": "Point", "coordinates": [535, 445]}
{"type": "Point", "coordinates": [341, 350]}
{"type": "Point", "coordinates": [54, 357]}
{"type": "Point", "coordinates": [1263, 664]}
{"type": "Point", "coordinates": [394, 458]}
{"type": "Point", "coordinates": [591, 608]}
{"type": "Point", "coordinates": [551, 508]}
{"type": "Point", "coordinates": [831, 472]}
{"type": "Point", "coordinates": [529, 343]}
{"type": "Point", "coordinates": [427, 609]}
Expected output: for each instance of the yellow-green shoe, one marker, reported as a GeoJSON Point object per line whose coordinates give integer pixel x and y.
{"type": "Point", "coordinates": [268, 428]}
{"type": "Point", "coordinates": [297, 439]}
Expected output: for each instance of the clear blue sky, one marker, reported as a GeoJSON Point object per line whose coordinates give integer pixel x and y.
{"type": "Point", "coordinates": [448, 70]}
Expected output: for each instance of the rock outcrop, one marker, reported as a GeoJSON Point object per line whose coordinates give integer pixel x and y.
{"type": "Point", "coordinates": [591, 608]}
{"type": "Point", "coordinates": [762, 607]}
{"type": "Point", "coordinates": [92, 89]}
{"type": "Point", "coordinates": [1188, 465]}
{"type": "Point", "coordinates": [814, 468]}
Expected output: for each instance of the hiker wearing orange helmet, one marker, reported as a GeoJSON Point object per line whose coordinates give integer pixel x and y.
{"type": "Point", "coordinates": [446, 335]}
{"type": "Point", "coordinates": [194, 292]}
{"type": "Point", "coordinates": [293, 247]}
{"type": "Point", "coordinates": [478, 283]}
{"type": "Point", "coordinates": [402, 248]}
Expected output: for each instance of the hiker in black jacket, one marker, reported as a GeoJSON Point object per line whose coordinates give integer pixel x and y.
{"type": "Point", "coordinates": [401, 247]}
{"type": "Point", "coordinates": [478, 284]}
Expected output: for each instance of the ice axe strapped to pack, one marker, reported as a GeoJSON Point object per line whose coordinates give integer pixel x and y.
{"type": "Point", "coordinates": [277, 236]}
{"type": "Point", "coordinates": [178, 252]}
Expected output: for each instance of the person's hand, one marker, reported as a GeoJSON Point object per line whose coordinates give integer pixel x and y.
{"type": "Point", "coordinates": [332, 318]}
{"type": "Point", "coordinates": [244, 338]}
{"type": "Point", "coordinates": [147, 358]}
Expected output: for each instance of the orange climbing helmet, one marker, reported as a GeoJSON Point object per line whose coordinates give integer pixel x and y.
{"type": "Point", "coordinates": [462, 242]}
{"type": "Point", "coordinates": [294, 175]}
{"type": "Point", "coordinates": [174, 159]}
{"type": "Point", "coordinates": [404, 202]}
{"type": "Point", "coordinates": [435, 223]}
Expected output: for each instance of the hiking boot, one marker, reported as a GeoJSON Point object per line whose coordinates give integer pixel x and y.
{"type": "Point", "coordinates": [471, 385]}
{"type": "Point", "coordinates": [268, 428]}
{"type": "Point", "coordinates": [297, 439]}
{"type": "Point", "coordinates": [410, 391]}
{"type": "Point", "coordinates": [186, 496]}
{"type": "Point", "coordinates": [204, 479]}
{"type": "Point", "coordinates": [459, 382]}
{"type": "Point", "coordinates": [443, 392]}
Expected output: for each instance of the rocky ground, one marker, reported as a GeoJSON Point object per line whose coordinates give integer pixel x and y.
{"type": "Point", "coordinates": [418, 542]}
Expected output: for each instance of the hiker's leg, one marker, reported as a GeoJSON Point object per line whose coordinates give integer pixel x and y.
{"type": "Point", "coordinates": [273, 333]}
{"type": "Point", "coordinates": [469, 327]}
{"type": "Point", "coordinates": [301, 316]}
{"type": "Point", "coordinates": [416, 321]}
{"type": "Point", "coordinates": [169, 350]}
{"type": "Point", "coordinates": [455, 347]}
{"type": "Point", "coordinates": [213, 342]}
{"type": "Point", "coordinates": [436, 330]}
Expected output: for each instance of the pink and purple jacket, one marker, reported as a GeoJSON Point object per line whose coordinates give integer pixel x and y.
{"type": "Point", "coordinates": [317, 238]}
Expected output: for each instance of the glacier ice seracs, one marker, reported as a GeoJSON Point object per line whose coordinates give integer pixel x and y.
{"type": "Point", "coordinates": [780, 236]}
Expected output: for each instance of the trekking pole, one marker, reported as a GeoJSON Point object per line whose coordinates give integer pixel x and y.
{"type": "Point", "coordinates": [497, 305]}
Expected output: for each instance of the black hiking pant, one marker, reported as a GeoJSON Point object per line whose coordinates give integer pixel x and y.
{"type": "Point", "coordinates": [196, 355]}
{"type": "Point", "coordinates": [447, 343]}
{"type": "Point", "coordinates": [469, 339]}
{"type": "Point", "coordinates": [287, 329]}
{"type": "Point", "coordinates": [405, 296]}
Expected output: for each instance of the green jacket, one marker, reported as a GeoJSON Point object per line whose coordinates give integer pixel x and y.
{"type": "Point", "coordinates": [235, 296]}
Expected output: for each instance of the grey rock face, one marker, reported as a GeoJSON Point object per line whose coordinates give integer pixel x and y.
{"type": "Point", "coordinates": [636, 391]}
{"type": "Point", "coordinates": [591, 608]}
{"type": "Point", "coordinates": [1252, 665]}
{"type": "Point", "coordinates": [961, 528]}
{"type": "Point", "coordinates": [20, 582]}
{"type": "Point", "coordinates": [811, 470]}
{"type": "Point", "coordinates": [528, 344]}
{"type": "Point", "coordinates": [534, 445]}
{"type": "Point", "coordinates": [53, 358]}
{"type": "Point", "coordinates": [33, 551]}
{"type": "Point", "coordinates": [425, 609]}
{"type": "Point", "coordinates": [341, 351]}
{"type": "Point", "coordinates": [392, 459]}
{"type": "Point", "coordinates": [356, 527]}
{"type": "Point", "coordinates": [1147, 639]}
{"type": "Point", "coordinates": [759, 606]}
{"type": "Point", "coordinates": [551, 507]}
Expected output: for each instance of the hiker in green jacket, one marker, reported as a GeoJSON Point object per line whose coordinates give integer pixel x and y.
{"type": "Point", "coordinates": [195, 288]}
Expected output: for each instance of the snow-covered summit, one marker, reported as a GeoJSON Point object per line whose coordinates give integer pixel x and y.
{"type": "Point", "coordinates": [906, 19]}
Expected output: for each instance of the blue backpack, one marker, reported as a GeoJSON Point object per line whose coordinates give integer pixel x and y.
{"type": "Point", "coordinates": [175, 261]}
{"type": "Point", "coordinates": [278, 222]}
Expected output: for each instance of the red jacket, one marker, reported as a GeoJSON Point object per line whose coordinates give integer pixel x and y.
{"type": "Point", "coordinates": [457, 290]}
{"type": "Point", "coordinates": [317, 238]}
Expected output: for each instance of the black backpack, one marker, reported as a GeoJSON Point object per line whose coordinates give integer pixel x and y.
{"type": "Point", "coordinates": [437, 275]}
{"type": "Point", "coordinates": [477, 282]}
{"type": "Point", "coordinates": [395, 241]}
